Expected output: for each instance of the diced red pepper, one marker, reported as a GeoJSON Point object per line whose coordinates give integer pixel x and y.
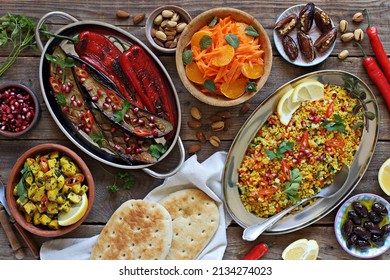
{"type": "Point", "coordinates": [114, 97]}
{"type": "Point", "coordinates": [88, 118]}
{"type": "Point", "coordinates": [44, 164]}
{"type": "Point", "coordinates": [74, 180]}
{"type": "Point", "coordinates": [286, 170]}
{"type": "Point", "coordinates": [267, 191]}
{"type": "Point", "coordinates": [44, 202]}
{"type": "Point", "coordinates": [80, 72]}
{"type": "Point", "coordinates": [55, 84]}
{"type": "Point", "coordinates": [335, 143]}
{"type": "Point", "coordinates": [305, 141]}
{"type": "Point", "coordinates": [142, 132]}
{"type": "Point", "coordinates": [329, 110]}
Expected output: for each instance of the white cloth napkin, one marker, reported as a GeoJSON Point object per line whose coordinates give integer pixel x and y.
{"type": "Point", "coordinates": [206, 176]}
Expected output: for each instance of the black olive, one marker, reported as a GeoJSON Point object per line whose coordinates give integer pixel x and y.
{"type": "Point", "coordinates": [347, 228]}
{"type": "Point", "coordinates": [380, 209]}
{"type": "Point", "coordinates": [351, 240]}
{"type": "Point", "coordinates": [362, 233]}
{"type": "Point", "coordinates": [373, 228]}
{"type": "Point", "coordinates": [385, 230]}
{"type": "Point", "coordinates": [374, 217]}
{"type": "Point", "coordinates": [362, 244]}
{"type": "Point", "coordinates": [378, 239]}
{"type": "Point", "coordinates": [354, 217]}
{"type": "Point", "coordinates": [360, 209]}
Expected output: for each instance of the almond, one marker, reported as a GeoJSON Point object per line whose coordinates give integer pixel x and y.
{"type": "Point", "coordinates": [138, 18]}
{"type": "Point", "coordinates": [194, 124]}
{"type": "Point", "coordinates": [122, 14]}
{"type": "Point", "coordinates": [215, 141]}
{"type": "Point", "coordinates": [200, 136]}
{"type": "Point", "coordinates": [245, 108]}
{"type": "Point", "coordinates": [193, 148]}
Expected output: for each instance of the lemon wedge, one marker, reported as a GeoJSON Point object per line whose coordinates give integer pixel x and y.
{"type": "Point", "coordinates": [75, 213]}
{"type": "Point", "coordinates": [308, 90]}
{"type": "Point", "coordinates": [301, 249]}
{"type": "Point", "coordinates": [384, 177]}
{"type": "Point", "coordinates": [287, 107]}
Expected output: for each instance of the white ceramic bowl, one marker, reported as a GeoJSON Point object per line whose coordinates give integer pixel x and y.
{"type": "Point", "coordinates": [367, 199]}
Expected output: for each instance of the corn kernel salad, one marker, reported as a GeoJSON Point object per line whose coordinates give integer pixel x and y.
{"type": "Point", "coordinates": [286, 163]}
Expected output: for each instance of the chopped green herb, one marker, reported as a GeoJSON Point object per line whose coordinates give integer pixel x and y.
{"type": "Point", "coordinates": [157, 150]}
{"type": "Point", "coordinates": [98, 139]}
{"type": "Point", "coordinates": [61, 99]}
{"type": "Point", "coordinates": [338, 124]}
{"type": "Point", "coordinates": [292, 186]}
{"type": "Point", "coordinates": [127, 178]}
{"type": "Point", "coordinates": [21, 187]}
{"type": "Point", "coordinates": [120, 114]}
{"type": "Point", "coordinates": [251, 86]}
{"type": "Point", "coordinates": [279, 153]}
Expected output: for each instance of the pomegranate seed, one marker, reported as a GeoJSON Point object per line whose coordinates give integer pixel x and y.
{"type": "Point", "coordinates": [135, 110]}
{"type": "Point", "coordinates": [108, 100]}
{"type": "Point", "coordinates": [95, 98]}
{"type": "Point", "coordinates": [99, 91]}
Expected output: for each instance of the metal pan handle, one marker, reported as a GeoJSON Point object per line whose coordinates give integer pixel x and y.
{"type": "Point", "coordinates": [172, 172]}
{"type": "Point", "coordinates": [43, 20]}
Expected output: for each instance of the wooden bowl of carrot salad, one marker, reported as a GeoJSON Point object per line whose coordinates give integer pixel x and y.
{"type": "Point", "coordinates": [224, 57]}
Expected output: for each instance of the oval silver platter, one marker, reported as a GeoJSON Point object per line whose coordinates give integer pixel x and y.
{"type": "Point", "coordinates": [321, 207]}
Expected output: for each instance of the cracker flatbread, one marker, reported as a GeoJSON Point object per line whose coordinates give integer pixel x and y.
{"type": "Point", "coordinates": [138, 229]}
{"type": "Point", "coordinates": [195, 218]}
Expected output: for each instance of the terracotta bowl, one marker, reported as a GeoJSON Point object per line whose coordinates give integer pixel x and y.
{"type": "Point", "coordinates": [204, 19]}
{"type": "Point", "coordinates": [28, 108]}
{"type": "Point", "coordinates": [184, 16]}
{"type": "Point", "coordinates": [15, 177]}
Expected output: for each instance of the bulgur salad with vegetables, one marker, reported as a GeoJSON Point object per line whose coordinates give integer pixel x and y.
{"type": "Point", "coordinates": [286, 163]}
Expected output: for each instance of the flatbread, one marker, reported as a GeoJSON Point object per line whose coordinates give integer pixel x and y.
{"type": "Point", "coordinates": [195, 218]}
{"type": "Point", "coordinates": [138, 230]}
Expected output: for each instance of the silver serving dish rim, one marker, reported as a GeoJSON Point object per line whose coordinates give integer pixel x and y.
{"type": "Point", "coordinates": [322, 206]}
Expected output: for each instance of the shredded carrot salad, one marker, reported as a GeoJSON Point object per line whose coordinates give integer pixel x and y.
{"type": "Point", "coordinates": [229, 65]}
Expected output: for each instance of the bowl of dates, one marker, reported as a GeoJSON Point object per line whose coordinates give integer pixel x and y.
{"type": "Point", "coordinates": [19, 109]}
{"type": "Point", "coordinates": [304, 35]}
{"type": "Point", "coordinates": [362, 226]}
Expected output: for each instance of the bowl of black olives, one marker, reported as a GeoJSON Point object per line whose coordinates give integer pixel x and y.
{"type": "Point", "coordinates": [362, 225]}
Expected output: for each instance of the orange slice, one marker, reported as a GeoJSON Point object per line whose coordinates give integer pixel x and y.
{"type": "Point", "coordinates": [194, 74]}
{"type": "Point", "coordinates": [224, 56]}
{"type": "Point", "coordinates": [252, 71]}
{"type": "Point", "coordinates": [234, 89]}
{"type": "Point", "coordinates": [195, 39]}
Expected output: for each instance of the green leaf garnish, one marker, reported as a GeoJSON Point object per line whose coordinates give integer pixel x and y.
{"type": "Point", "coordinates": [251, 31]}
{"type": "Point", "coordinates": [98, 138]}
{"type": "Point", "coordinates": [251, 86]}
{"type": "Point", "coordinates": [187, 57]}
{"type": "Point", "coordinates": [120, 114]}
{"type": "Point", "coordinates": [337, 125]}
{"type": "Point", "coordinates": [127, 178]}
{"type": "Point", "coordinates": [21, 187]}
{"type": "Point", "coordinates": [61, 99]}
{"type": "Point", "coordinates": [157, 150]}
{"type": "Point", "coordinates": [210, 86]}
{"type": "Point", "coordinates": [292, 186]}
{"type": "Point", "coordinates": [205, 42]}
{"type": "Point", "coordinates": [279, 153]}
{"type": "Point", "coordinates": [232, 40]}
{"type": "Point", "coordinates": [213, 22]}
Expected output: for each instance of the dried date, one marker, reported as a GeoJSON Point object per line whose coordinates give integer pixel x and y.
{"type": "Point", "coordinates": [326, 39]}
{"type": "Point", "coordinates": [290, 47]}
{"type": "Point", "coordinates": [306, 45]}
{"type": "Point", "coordinates": [286, 25]}
{"type": "Point", "coordinates": [306, 17]}
{"type": "Point", "coordinates": [322, 20]}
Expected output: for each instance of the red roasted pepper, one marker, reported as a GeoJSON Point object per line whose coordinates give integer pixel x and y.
{"type": "Point", "coordinates": [44, 164]}
{"type": "Point", "coordinates": [256, 252]}
{"type": "Point", "coordinates": [101, 53]}
{"type": "Point", "coordinates": [141, 70]}
{"type": "Point", "coordinates": [55, 84]}
{"type": "Point", "coordinates": [329, 110]}
{"type": "Point", "coordinates": [74, 180]}
{"type": "Point", "coordinates": [44, 202]}
{"type": "Point", "coordinates": [377, 47]}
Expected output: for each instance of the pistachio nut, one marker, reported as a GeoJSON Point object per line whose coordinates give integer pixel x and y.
{"type": "Point", "coordinates": [347, 37]}
{"type": "Point", "coordinates": [215, 141]}
{"type": "Point", "coordinates": [343, 54]}
{"type": "Point", "coordinates": [358, 35]}
{"type": "Point", "coordinates": [358, 17]}
{"type": "Point", "coordinates": [180, 27]}
{"type": "Point", "coordinates": [161, 35]}
{"type": "Point", "coordinates": [167, 13]}
{"type": "Point", "coordinates": [175, 17]}
{"type": "Point", "coordinates": [158, 19]}
{"type": "Point", "coordinates": [343, 26]}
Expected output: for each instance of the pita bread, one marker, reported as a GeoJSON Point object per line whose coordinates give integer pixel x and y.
{"type": "Point", "coordinates": [138, 230]}
{"type": "Point", "coordinates": [195, 218]}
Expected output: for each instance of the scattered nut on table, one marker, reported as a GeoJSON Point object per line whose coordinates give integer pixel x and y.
{"type": "Point", "coordinates": [167, 28]}
{"type": "Point", "coordinates": [138, 18]}
{"type": "Point", "coordinates": [358, 35]}
{"type": "Point", "coordinates": [358, 17]}
{"type": "Point", "coordinates": [215, 141]}
{"type": "Point", "coordinates": [343, 26]}
{"type": "Point", "coordinates": [347, 37]}
{"type": "Point", "coordinates": [193, 148]}
{"type": "Point", "coordinates": [122, 14]}
{"type": "Point", "coordinates": [195, 113]}
{"type": "Point", "coordinates": [343, 54]}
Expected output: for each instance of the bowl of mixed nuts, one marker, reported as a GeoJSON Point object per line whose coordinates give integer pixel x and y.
{"type": "Point", "coordinates": [164, 27]}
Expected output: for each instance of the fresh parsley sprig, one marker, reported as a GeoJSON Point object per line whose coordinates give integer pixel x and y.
{"type": "Point", "coordinates": [279, 152]}
{"type": "Point", "coordinates": [336, 125]}
{"type": "Point", "coordinates": [292, 186]}
{"type": "Point", "coordinates": [120, 114]}
{"type": "Point", "coordinates": [128, 181]}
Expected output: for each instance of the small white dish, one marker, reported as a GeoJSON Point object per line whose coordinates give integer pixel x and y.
{"type": "Point", "coordinates": [341, 216]}
{"type": "Point", "coordinates": [314, 34]}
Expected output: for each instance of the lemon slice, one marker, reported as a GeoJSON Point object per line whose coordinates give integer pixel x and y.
{"type": "Point", "coordinates": [286, 107]}
{"type": "Point", "coordinates": [308, 90]}
{"type": "Point", "coordinates": [384, 177]}
{"type": "Point", "coordinates": [75, 213]}
{"type": "Point", "coordinates": [301, 249]}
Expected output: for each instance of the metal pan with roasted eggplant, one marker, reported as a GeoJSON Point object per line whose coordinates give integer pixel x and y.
{"type": "Point", "coordinates": [109, 94]}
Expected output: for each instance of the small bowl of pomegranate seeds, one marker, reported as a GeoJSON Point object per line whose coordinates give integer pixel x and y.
{"type": "Point", "coordinates": [19, 109]}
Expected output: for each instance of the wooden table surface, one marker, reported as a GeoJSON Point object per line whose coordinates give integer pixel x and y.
{"type": "Point", "coordinates": [26, 71]}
